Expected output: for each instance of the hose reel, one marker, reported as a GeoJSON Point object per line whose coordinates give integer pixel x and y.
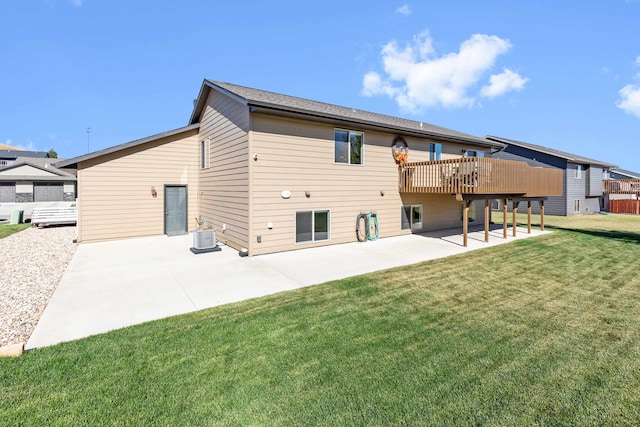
{"type": "Point", "coordinates": [367, 227]}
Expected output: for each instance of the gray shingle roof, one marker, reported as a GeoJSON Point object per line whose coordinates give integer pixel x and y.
{"type": "Point", "coordinates": [45, 164]}
{"type": "Point", "coordinates": [260, 98]}
{"type": "Point", "coordinates": [551, 151]}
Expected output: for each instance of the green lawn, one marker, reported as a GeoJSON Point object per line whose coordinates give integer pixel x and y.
{"type": "Point", "coordinates": [542, 331]}
{"type": "Point", "coordinates": [9, 229]}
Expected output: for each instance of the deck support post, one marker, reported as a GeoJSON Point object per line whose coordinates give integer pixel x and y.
{"type": "Point", "coordinates": [465, 223]}
{"type": "Point", "coordinates": [541, 202]}
{"type": "Point", "coordinates": [529, 216]}
{"type": "Point", "coordinates": [487, 219]}
{"type": "Point", "coordinates": [504, 218]}
{"type": "Point", "coordinates": [514, 210]}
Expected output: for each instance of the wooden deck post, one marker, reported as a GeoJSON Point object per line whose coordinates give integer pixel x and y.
{"type": "Point", "coordinates": [529, 216]}
{"type": "Point", "coordinates": [514, 210]}
{"type": "Point", "coordinates": [504, 218]}
{"type": "Point", "coordinates": [465, 223]}
{"type": "Point", "coordinates": [541, 202]}
{"type": "Point", "coordinates": [487, 219]}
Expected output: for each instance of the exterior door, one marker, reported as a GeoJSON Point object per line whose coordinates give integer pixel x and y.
{"type": "Point", "coordinates": [175, 210]}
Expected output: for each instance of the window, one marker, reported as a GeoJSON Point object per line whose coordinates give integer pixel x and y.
{"type": "Point", "coordinates": [472, 212]}
{"type": "Point", "coordinates": [474, 153]}
{"type": "Point", "coordinates": [348, 147]}
{"type": "Point", "coordinates": [576, 205]}
{"type": "Point", "coordinates": [435, 151]}
{"type": "Point", "coordinates": [411, 217]}
{"type": "Point", "coordinates": [204, 154]}
{"type": "Point", "coordinates": [312, 226]}
{"type": "Point", "coordinates": [578, 171]}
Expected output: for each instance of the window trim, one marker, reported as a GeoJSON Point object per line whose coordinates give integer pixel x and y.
{"type": "Point", "coordinates": [313, 232]}
{"type": "Point", "coordinates": [578, 172]}
{"type": "Point", "coordinates": [412, 225]}
{"type": "Point", "coordinates": [576, 204]}
{"type": "Point", "coordinates": [349, 132]}
{"type": "Point", "coordinates": [205, 153]}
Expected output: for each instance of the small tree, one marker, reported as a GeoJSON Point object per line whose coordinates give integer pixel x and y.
{"type": "Point", "coordinates": [52, 154]}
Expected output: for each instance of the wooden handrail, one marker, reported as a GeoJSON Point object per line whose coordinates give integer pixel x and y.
{"type": "Point", "coordinates": [479, 175]}
{"type": "Point", "coordinates": [621, 186]}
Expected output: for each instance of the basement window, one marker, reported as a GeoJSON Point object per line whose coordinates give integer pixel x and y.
{"type": "Point", "coordinates": [312, 226]}
{"type": "Point", "coordinates": [411, 217]}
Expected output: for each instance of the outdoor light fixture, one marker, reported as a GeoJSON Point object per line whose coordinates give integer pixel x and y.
{"type": "Point", "coordinates": [382, 193]}
{"type": "Point", "coordinates": [154, 193]}
{"type": "Point", "coordinates": [307, 193]}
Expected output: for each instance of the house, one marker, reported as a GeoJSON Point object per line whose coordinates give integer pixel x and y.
{"type": "Point", "coordinates": [622, 192]}
{"type": "Point", "coordinates": [273, 173]}
{"type": "Point", "coordinates": [582, 177]}
{"type": "Point", "coordinates": [28, 177]}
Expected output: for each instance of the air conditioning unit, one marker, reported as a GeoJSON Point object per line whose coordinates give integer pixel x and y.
{"type": "Point", "coordinates": [204, 239]}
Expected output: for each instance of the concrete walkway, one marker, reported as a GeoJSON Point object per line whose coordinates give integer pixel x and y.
{"type": "Point", "coordinates": [111, 285]}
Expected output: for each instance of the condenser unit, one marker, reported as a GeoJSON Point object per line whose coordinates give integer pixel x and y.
{"type": "Point", "coordinates": [204, 239]}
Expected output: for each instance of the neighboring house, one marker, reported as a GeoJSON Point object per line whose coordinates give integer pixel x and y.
{"type": "Point", "coordinates": [582, 177]}
{"type": "Point", "coordinates": [622, 192]}
{"type": "Point", "coordinates": [9, 155]}
{"type": "Point", "coordinates": [273, 173]}
{"type": "Point", "coordinates": [35, 179]}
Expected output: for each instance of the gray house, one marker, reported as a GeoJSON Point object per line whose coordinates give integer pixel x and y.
{"type": "Point", "coordinates": [582, 177]}
{"type": "Point", "coordinates": [34, 179]}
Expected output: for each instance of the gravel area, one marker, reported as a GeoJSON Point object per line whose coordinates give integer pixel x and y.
{"type": "Point", "coordinates": [32, 263]}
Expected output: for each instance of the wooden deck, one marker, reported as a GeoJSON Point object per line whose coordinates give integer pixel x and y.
{"type": "Point", "coordinates": [480, 176]}
{"type": "Point", "coordinates": [621, 186]}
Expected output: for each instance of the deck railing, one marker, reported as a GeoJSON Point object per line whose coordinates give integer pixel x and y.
{"type": "Point", "coordinates": [479, 175]}
{"type": "Point", "coordinates": [621, 186]}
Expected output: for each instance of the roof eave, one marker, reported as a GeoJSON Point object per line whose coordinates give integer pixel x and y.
{"type": "Point", "coordinates": [73, 162]}
{"type": "Point", "coordinates": [257, 106]}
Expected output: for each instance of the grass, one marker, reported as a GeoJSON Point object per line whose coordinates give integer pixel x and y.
{"type": "Point", "coordinates": [542, 331]}
{"type": "Point", "coordinates": [9, 229]}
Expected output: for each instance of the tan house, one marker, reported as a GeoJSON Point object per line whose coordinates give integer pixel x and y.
{"type": "Point", "coordinates": [274, 173]}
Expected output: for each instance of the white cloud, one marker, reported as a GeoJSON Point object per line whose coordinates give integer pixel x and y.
{"type": "Point", "coordinates": [417, 78]}
{"type": "Point", "coordinates": [499, 84]}
{"type": "Point", "coordinates": [630, 100]}
{"type": "Point", "coordinates": [76, 3]}
{"type": "Point", "coordinates": [638, 61]}
{"type": "Point", "coordinates": [404, 10]}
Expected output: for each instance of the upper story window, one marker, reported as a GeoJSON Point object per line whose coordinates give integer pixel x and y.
{"type": "Point", "coordinates": [435, 151]}
{"type": "Point", "coordinates": [348, 146]}
{"type": "Point", "coordinates": [578, 171]}
{"type": "Point", "coordinates": [474, 153]}
{"type": "Point", "coordinates": [204, 154]}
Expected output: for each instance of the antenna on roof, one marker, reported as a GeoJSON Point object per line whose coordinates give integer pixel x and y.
{"type": "Point", "coordinates": [420, 125]}
{"type": "Point", "coordinates": [88, 131]}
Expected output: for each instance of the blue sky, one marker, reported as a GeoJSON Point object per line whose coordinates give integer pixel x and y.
{"type": "Point", "coordinates": [564, 74]}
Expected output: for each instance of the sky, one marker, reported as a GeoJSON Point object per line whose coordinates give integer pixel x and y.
{"type": "Point", "coordinates": [78, 76]}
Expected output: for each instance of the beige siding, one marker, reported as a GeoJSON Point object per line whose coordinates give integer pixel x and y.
{"type": "Point", "coordinates": [224, 185]}
{"type": "Point", "coordinates": [298, 156]}
{"type": "Point", "coordinates": [114, 190]}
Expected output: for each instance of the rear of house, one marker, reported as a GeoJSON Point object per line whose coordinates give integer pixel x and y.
{"type": "Point", "coordinates": [274, 173]}
{"type": "Point", "coordinates": [582, 177]}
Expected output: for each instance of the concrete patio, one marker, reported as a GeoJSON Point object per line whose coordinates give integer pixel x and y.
{"type": "Point", "coordinates": [111, 285]}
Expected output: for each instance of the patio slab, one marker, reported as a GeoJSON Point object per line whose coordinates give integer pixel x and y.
{"type": "Point", "coordinates": [111, 285]}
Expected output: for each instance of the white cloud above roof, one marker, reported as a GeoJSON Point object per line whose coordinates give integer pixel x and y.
{"type": "Point", "coordinates": [499, 84]}
{"type": "Point", "coordinates": [417, 78]}
{"type": "Point", "coordinates": [404, 10]}
{"type": "Point", "coordinates": [630, 95]}
{"type": "Point", "coordinates": [630, 99]}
